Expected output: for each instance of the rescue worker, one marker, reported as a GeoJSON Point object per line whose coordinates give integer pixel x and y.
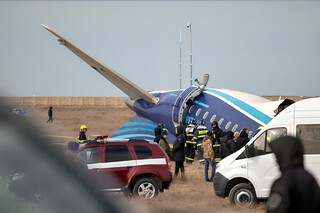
{"type": "Point", "coordinates": [216, 134]}
{"type": "Point", "coordinates": [178, 152]}
{"type": "Point", "coordinates": [208, 156]}
{"type": "Point", "coordinates": [164, 144]}
{"type": "Point", "coordinates": [216, 131]}
{"type": "Point", "coordinates": [191, 145]}
{"type": "Point", "coordinates": [199, 134]}
{"type": "Point", "coordinates": [296, 190]}
{"type": "Point", "coordinates": [82, 134]}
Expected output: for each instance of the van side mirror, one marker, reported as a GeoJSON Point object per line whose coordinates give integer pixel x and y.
{"type": "Point", "coordinates": [247, 152]}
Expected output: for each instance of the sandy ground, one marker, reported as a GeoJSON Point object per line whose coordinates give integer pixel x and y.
{"type": "Point", "coordinates": [193, 195]}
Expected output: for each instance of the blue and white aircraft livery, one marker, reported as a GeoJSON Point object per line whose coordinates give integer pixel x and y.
{"type": "Point", "coordinates": [233, 110]}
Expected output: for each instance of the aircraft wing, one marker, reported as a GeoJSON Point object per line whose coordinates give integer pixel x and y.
{"type": "Point", "coordinates": [128, 87]}
{"type": "Point", "coordinates": [139, 127]}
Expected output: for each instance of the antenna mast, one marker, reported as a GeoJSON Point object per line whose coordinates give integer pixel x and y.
{"type": "Point", "coordinates": [180, 63]}
{"type": "Point", "coordinates": [189, 26]}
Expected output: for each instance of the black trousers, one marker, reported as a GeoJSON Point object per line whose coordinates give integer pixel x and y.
{"type": "Point", "coordinates": [179, 165]}
{"type": "Point", "coordinates": [190, 152]}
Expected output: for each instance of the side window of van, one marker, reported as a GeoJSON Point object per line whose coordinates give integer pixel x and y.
{"type": "Point", "coordinates": [260, 146]}
{"type": "Point", "coordinates": [310, 137]}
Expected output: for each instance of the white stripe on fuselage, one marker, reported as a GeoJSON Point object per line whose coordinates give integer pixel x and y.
{"type": "Point", "coordinates": [254, 101]}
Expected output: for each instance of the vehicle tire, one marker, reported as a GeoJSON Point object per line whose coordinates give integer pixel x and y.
{"type": "Point", "coordinates": [243, 195]}
{"type": "Point", "coordinates": [37, 195]}
{"type": "Point", "coordinates": [145, 188]}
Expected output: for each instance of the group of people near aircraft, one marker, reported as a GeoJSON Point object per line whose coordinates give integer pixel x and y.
{"type": "Point", "coordinates": [210, 145]}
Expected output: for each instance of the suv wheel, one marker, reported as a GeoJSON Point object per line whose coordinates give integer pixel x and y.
{"type": "Point", "coordinates": [145, 188]}
{"type": "Point", "coordinates": [243, 195]}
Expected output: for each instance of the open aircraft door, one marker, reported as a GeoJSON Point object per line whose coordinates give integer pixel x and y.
{"type": "Point", "coordinates": [185, 99]}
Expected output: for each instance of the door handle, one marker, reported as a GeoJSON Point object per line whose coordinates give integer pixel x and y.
{"type": "Point", "coordinates": [243, 166]}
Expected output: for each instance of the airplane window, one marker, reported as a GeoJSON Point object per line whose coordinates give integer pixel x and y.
{"type": "Point", "coordinates": [205, 115]}
{"type": "Point", "coordinates": [191, 108]}
{"type": "Point", "coordinates": [228, 125]}
{"type": "Point", "coordinates": [212, 118]}
{"type": "Point", "coordinates": [235, 127]}
{"type": "Point", "coordinates": [220, 121]}
{"type": "Point", "coordinates": [198, 112]}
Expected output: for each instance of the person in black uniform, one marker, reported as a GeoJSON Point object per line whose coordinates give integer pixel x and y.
{"type": "Point", "coordinates": [157, 132]}
{"type": "Point", "coordinates": [50, 115]}
{"type": "Point", "coordinates": [178, 152]}
{"type": "Point", "coordinates": [296, 190]}
{"type": "Point", "coordinates": [216, 134]}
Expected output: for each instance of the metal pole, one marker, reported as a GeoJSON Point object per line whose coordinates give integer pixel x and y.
{"type": "Point", "coordinates": [180, 63]}
{"type": "Point", "coordinates": [189, 26]}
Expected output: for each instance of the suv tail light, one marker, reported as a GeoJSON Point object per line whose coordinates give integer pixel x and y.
{"type": "Point", "coordinates": [168, 162]}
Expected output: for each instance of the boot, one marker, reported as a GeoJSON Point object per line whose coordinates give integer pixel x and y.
{"type": "Point", "coordinates": [183, 177]}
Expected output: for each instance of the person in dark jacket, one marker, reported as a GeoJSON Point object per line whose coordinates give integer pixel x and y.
{"type": "Point", "coordinates": [243, 139]}
{"type": "Point", "coordinates": [50, 115]}
{"type": "Point", "coordinates": [178, 152]}
{"type": "Point", "coordinates": [296, 190]}
{"type": "Point", "coordinates": [157, 132]}
{"type": "Point", "coordinates": [228, 145]}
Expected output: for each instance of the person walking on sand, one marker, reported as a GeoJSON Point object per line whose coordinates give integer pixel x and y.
{"type": "Point", "coordinates": [178, 152]}
{"type": "Point", "coordinates": [208, 156]}
{"type": "Point", "coordinates": [50, 114]}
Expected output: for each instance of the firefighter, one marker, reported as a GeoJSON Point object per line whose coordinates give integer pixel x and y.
{"type": "Point", "coordinates": [82, 134]}
{"type": "Point", "coordinates": [216, 134]}
{"type": "Point", "coordinates": [199, 134]}
{"type": "Point", "coordinates": [190, 144]}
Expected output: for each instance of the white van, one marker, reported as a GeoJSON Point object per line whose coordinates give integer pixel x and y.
{"type": "Point", "coordinates": [248, 174]}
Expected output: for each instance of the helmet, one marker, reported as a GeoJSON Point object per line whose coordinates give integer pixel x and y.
{"type": "Point", "coordinates": [83, 127]}
{"type": "Point", "coordinates": [192, 121]}
{"type": "Point", "coordinates": [201, 122]}
{"type": "Point", "coordinates": [161, 125]}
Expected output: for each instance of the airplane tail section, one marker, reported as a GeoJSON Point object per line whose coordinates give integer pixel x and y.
{"type": "Point", "coordinates": [128, 87]}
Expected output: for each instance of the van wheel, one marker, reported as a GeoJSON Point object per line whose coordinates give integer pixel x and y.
{"type": "Point", "coordinates": [145, 188]}
{"type": "Point", "coordinates": [243, 195]}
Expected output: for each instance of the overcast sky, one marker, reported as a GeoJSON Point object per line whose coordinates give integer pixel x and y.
{"type": "Point", "coordinates": [259, 47]}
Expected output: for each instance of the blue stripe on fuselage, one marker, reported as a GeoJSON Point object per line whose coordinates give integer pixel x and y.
{"type": "Point", "coordinates": [139, 124]}
{"type": "Point", "coordinates": [244, 106]}
{"type": "Point", "coordinates": [121, 131]}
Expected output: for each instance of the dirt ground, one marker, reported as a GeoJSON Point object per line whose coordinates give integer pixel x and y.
{"type": "Point", "coordinates": [193, 195]}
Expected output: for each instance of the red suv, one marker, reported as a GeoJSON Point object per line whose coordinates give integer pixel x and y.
{"type": "Point", "coordinates": [136, 167]}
